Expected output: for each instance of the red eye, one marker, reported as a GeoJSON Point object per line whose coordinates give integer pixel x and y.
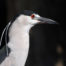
{"type": "Point", "coordinates": [32, 16]}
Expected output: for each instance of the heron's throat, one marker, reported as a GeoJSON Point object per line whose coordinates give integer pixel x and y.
{"type": "Point", "coordinates": [19, 36]}
{"type": "Point", "coordinates": [19, 43]}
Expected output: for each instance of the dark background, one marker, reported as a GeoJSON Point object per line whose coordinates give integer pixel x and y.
{"type": "Point", "coordinates": [44, 39]}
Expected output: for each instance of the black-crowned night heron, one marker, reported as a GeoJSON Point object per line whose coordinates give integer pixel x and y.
{"type": "Point", "coordinates": [18, 32]}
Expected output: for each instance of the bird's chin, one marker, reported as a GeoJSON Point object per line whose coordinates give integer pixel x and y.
{"type": "Point", "coordinates": [42, 22]}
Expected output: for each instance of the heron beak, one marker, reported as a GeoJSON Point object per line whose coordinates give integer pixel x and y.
{"type": "Point", "coordinates": [46, 20]}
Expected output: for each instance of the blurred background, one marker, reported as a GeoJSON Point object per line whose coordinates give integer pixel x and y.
{"type": "Point", "coordinates": [47, 42]}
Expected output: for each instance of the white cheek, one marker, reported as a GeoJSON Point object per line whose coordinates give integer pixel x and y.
{"type": "Point", "coordinates": [32, 21]}
{"type": "Point", "coordinates": [35, 21]}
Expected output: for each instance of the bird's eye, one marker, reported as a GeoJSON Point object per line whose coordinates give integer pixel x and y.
{"type": "Point", "coordinates": [32, 16]}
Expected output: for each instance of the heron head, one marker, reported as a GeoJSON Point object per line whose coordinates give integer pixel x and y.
{"type": "Point", "coordinates": [32, 18]}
